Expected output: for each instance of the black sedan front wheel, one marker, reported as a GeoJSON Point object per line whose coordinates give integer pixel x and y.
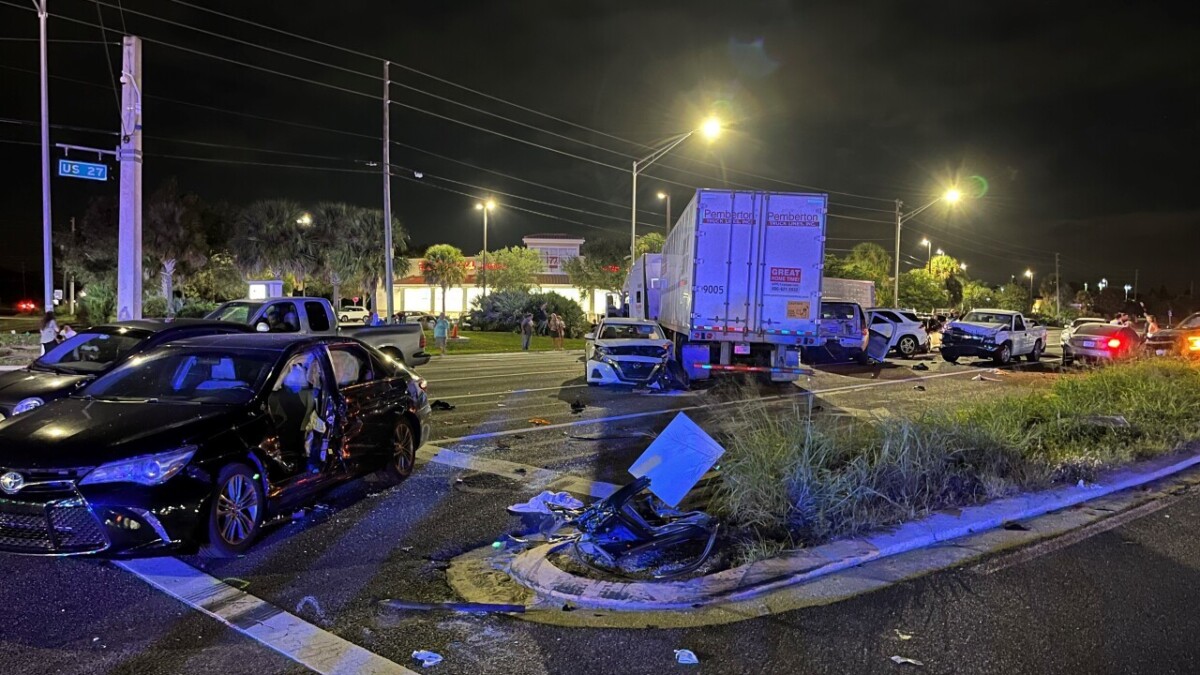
{"type": "Point", "coordinates": [404, 453]}
{"type": "Point", "coordinates": [235, 515]}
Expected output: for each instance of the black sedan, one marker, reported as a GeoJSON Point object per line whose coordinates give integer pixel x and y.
{"type": "Point", "coordinates": [1101, 343]}
{"type": "Point", "coordinates": [196, 443]}
{"type": "Point", "coordinates": [91, 353]}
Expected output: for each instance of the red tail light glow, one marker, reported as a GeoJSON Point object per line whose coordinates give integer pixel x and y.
{"type": "Point", "coordinates": [422, 344]}
{"type": "Point", "coordinates": [1114, 343]}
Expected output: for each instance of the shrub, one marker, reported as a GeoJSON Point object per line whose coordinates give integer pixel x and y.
{"type": "Point", "coordinates": [196, 309]}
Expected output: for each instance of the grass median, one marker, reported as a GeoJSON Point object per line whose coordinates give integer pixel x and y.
{"type": "Point", "coordinates": [487, 342]}
{"type": "Point", "coordinates": [796, 480]}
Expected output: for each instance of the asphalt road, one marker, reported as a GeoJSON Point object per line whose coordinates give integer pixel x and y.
{"type": "Point", "coordinates": [1119, 602]}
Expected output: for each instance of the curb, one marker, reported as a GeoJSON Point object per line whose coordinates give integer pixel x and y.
{"type": "Point", "coordinates": [534, 571]}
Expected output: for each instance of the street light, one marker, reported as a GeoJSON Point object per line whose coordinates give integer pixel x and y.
{"type": "Point", "coordinates": [928, 254]}
{"type": "Point", "coordinates": [951, 196]}
{"type": "Point", "coordinates": [1029, 273]}
{"type": "Point", "coordinates": [709, 128]}
{"type": "Point", "coordinates": [1103, 284]}
{"type": "Point", "coordinates": [1127, 289]}
{"type": "Point", "coordinates": [667, 197]}
{"type": "Point", "coordinates": [962, 266]}
{"type": "Point", "coordinates": [489, 205]}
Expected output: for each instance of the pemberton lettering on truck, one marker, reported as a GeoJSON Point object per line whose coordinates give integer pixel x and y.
{"type": "Point", "coordinates": [741, 273]}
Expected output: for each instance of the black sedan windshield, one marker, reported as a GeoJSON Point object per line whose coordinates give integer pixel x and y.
{"type": "Point", "coordinates": [88, 352]}
{"type": "Point", "coordinates": [176, 374]}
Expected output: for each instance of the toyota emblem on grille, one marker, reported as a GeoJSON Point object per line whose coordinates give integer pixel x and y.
{"type": "Point", "coordinates": [12, 482]}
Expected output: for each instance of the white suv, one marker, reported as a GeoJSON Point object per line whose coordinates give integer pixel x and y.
{"type": "Point", "coordinates": [908, 336]}
{"type": "Point", "coordinates": [353, 314]}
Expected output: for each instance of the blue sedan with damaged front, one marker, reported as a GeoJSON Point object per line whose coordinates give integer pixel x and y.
{"type": "Point", "coordinates": [197, 443]}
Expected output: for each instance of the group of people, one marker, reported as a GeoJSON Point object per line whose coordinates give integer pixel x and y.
{"type": "Point", "coordinates": [553, 325]}
{"type": "Point", "coordinates": [1124, 319]}
{"type": "Point", "coordinates": [51, 334]}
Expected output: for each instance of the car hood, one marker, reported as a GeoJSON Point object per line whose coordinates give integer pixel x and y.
{"type": "Point", "coordinates": [21, 384]}
{"type": "Point", "coordinates": [74, 432]}
{"type": "Point", "coordinates": [973, 328]}
{"type": "Point", "coordinates": [1175, 333]}
{"type": "Point", "coordinates": [634, 342]}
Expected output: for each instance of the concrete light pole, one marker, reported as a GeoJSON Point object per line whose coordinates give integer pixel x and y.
{"type": "Point", "coordinates": [129, 241]}
{"type": "Point", "coordinates": [489, 205]}
{"type": "Point", "coordinates": [710, 129]}
{"type": "Point", "coordinates": [667, 197]}
{"type": "Point", "coordinates": [952, 196]}
{"type": "Point", "coordinates": [47, 241]}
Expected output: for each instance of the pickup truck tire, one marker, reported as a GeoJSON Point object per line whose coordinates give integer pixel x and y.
{"type": "Point", "coordinates": [1003, 355]}
{"type": "Point", "coordinates": [1036, 353]}
{"type": "Point", "coordinates": [949, 358]}
{"type": "Point", "coordinates": [404, 452]}
{"type": "Point", "coordinates": [907, 346]}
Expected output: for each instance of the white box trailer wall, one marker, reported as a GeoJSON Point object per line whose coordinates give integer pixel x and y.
{"type": "Point", "coordinates": [741, 280]}
{"type": "Point", "coordinates": [858, 290]}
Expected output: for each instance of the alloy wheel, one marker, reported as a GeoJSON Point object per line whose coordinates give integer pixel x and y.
{"type": "Point", "coordinates": [237, 510]}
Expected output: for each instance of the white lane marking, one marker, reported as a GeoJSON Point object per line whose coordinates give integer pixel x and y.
{"type": "Point", "coordinates": [439, 380]}
{"type": "Point", "coordinates": [701, 406]}
{"type": "Point", "coordinates": [537, 477]}
{"type": "Point", "coordinates": [295, 638]}
{"type": "Point", "coordinates": [1070, 539]}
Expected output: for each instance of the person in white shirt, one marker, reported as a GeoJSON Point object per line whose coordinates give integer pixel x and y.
{"type": "Point", "coordinates": [49, 336]}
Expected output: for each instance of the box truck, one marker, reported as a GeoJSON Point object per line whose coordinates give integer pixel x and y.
{"type": "Point", "coordinates": [738, 284]}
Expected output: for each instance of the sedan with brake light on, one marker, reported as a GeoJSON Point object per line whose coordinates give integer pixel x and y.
{"type": "Point", "coordinates": [1102, 342]}
{"type": "Point", "coordinates": [197, 443]}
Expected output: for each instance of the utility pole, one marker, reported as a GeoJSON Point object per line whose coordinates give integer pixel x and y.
{"type": "Point", "coordinates": [129, 242]}
{"type": "Point", "coordinates": [71, 292]}
{"type": "Point", "coordinates": [388, 284]}
{"type": "Point", "coordinates": [1057, 291]}
{"type": "Point", "coordinates": [896, 281]}
{"type": "Point", "coordinates": [47, 245]}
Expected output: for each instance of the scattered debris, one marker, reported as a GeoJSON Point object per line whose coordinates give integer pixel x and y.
{"type": "Point", "coordinates": [427, 658]}
{"type": "Point", "coordinates": [501, 405]}
{"type": "Point", "coordinates": [310, 600]}
{"type": "Point", "coordinates": [686, 657]}
{"type": "Point", "coordinates": [578, 406]}
{"type": "Point", "coordinates": [439, 404]}
{"type": "Point", "coordinates": [568, 607]}
{"type": "Point", "coordinates": [1111, 421]}
{"type": "Point", "coordinates": [997, 371]}
{"type": "Point", "coordinates": [982, 378]}
{"type": "Point", "coordinates": [237, 583]}
{"type": "Point", "coordinates": [537, 421]}
{"type": "Point", "coordinates": [520, 470]}
{"type": "Point", "coordinates": [902, 636]}
{"type": "Point", "coordinates": [406, 549]}
{"type": "Point", "coordinates": [920, 366]}
{"type": "Point", "coordinates": [542, 503]}
{"type": "Point", "coordinates": [467, 607]}
{"type": "Point", "coordinates": [904, 660]}
{"type": "Point", "coordinates": [919, 387]}
{"type": "Point", "coordinates": [1014, 526]}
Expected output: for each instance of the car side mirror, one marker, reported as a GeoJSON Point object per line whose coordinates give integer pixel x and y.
{"type": "Point", "coordinates": [262, 327]}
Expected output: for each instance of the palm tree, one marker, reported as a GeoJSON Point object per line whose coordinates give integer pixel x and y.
{"type": "Point", "coordinates": [174, 237]}
{"type": "Point", "coordinates": [444, 267]}
{"type": "Point", "coordinates": [271, 236]}
{"type": "Point", "coordinates": [351, 241]}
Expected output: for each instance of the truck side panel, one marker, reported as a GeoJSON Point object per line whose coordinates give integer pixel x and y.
{"type": "Point", "coordinates": [792, 253]}
{"type": "Point", "coordinates": [727, 249]}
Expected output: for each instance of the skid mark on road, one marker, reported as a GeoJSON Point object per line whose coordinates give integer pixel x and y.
{"type": "Point", "coordinates": [306, 644]}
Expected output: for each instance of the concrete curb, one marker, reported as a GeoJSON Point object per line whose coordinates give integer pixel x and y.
{"type": "Point", "coordinates": [534, 571]}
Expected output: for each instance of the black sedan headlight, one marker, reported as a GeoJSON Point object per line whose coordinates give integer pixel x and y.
{"type": "Point", "coordinates": [144, 470]}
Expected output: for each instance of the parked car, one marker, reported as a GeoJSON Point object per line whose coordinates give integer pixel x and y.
{"type": "Point", "coordinates": [197, 442]}
{"type": "Point", "coordinates": [1182, 340]}
{"type": "Point", "coordinates": [353, 314]}
{"type": "Point", "coordinates": [626, 351]}
{"type": "Point", "coordinates": [997, 334]}
{"type": "Point", "coordinates": [1097, 342]}
{"type": "Point", "coordinates": [91, 353]}
{"type": "Point", "coordinates": [315, 316]}
{"type": "Point", "coordinates": [1069, 330]}
{"type": "Point", "coordinates": [908, 336]}
{"type": "Point", "coordinates": [843, 335]}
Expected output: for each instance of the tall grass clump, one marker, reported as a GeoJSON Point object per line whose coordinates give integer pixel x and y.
{"type": "Point", "coordinates": [798, 478]}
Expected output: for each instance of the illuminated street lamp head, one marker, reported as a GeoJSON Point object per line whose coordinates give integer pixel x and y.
{"type": "Point", "coordinates": [711, 128]}
{"type": "Point", "coordinates": [662, 195]}
{"type": "Point", "coordinates": [941, 252]}
{"type": "Point", "coordinates": [490, 205]}
{"type": "Point", "coordinates": [952, 195]}
{"type": "Point", "coordinates": [1029, 273]}
{"type": "Point", "coordinates": [926, 242]}
{"type": "Point", "coordinates": [962, 266]}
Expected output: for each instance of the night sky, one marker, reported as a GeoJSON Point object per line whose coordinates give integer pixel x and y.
{"type": "Point", "coordinates": [1082, 117]}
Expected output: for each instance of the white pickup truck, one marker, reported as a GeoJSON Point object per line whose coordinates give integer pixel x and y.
{"type": "Point", "coordinates": [315, 316]}
{"type": "Point", "coordinates": [997, 334]}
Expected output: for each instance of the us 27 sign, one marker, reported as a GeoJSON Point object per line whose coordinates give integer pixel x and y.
{"type": "Point", "coordinates": [86, 170]}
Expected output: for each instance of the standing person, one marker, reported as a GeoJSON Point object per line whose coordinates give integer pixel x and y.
{"type": "Point", "coordinates": [441, 329]}
{"type": "Point", "coordinates": [1151, 325]}
{"type": "Point", "coordinates": [543, 320]}
{"type": "Point", "coordinates": [557, 328]}
{"type": "Point", "coordinates": [526, 331]}
{"type": "Point", "coordinates": [66, 333]}
{"type": "Point", "coordinates": [49, 335]}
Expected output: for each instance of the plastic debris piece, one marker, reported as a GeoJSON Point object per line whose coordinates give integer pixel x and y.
{"type": "Point", "coordinates": [903, 636]}
{"type": "Point", "coordinates": [497, 545]}
{"type": "Point", "coordinates": [310, 600]}
{"type": "Point", "coordinates": [919, 387]}
{"type": "Point", "coordinates": [237, 583]}
{"type": "Point", "coordinates": [905, 661]}
{"type": "Point", "coordinates": [920, 366]}
{"type": "Point", "coordinates": [439, 404]}
{"type": "Point", "coordinates": [543, 502]}
{"type": "Point", "coordinates": [427, 658]}
{"type": "Point", "coordinates": [537, 421]}
{"type": "Point", "coordinates": [687, 657]}
{"type": "Point", "coordinates": [578, 406]}
{"type": "Point", "coordinates": [980, 378]}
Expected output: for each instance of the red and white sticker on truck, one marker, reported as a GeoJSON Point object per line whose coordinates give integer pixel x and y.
{"type": "Point", "coordinates": [785, 279]}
